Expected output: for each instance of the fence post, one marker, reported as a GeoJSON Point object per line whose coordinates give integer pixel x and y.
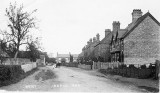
{"type": "Point", "coordinates": [93, 66]}
{"type": "Point", "coordinates": [157, 68]}
{"type": "Point", "coordinates": [138, 71]}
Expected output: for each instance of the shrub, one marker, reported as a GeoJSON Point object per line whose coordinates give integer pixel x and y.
{"type": "Point", "coordinates": [143, 67]}
{"type": "Point", "coordinates": [132, 66]}
{"type": "Point", "coordinates": [8, 72]}
{"type": "Point", "coordinates": [122, 66]}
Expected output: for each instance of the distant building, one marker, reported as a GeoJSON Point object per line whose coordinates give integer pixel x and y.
{"type": "Point", "coordinates": [66, 57]}
{"type": "Point", "coordinates": [88, 51]}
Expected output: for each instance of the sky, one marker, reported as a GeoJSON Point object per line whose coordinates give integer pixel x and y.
{"type": "Point", "coordinates": [66, 25]}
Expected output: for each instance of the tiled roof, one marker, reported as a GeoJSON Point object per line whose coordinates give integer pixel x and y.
{"type": "Point", "coordinates": [133, 25]}
{"type": "Point", "coordinates": [103, 41]}
{"type": "Point", "coordinates": [121, 32]}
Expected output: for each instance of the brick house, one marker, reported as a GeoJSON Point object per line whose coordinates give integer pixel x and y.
{"type": "Point", "coordinates": [88, 50]}
{"type": "Point", "coordinates": [139, 42]}
{"type": "Point", "coordinates": [101, 51]}
{"type": "Point", "coordinates": [116, 42]}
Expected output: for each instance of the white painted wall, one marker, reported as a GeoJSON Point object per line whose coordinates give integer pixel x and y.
{"type": "Point", "coordinates": [28, 67]}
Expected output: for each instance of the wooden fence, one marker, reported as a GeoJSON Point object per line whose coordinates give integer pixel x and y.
{"type": "Point", "coordinates": [129, 70]}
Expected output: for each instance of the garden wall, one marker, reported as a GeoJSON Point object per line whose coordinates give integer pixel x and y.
{"type": "Point", "coordinates": [29, 67]}
{"type": "Point", "coordinates": [83, 66]}
{"type": "Point", "coordinates": [17, 61]}
{"type": "Point", "coordinates": [70, 64]}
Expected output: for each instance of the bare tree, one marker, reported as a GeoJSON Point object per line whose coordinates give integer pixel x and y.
{"type": "Point", "coordinates": [20, 23]}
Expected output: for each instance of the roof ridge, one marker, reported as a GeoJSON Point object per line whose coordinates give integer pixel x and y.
{"type": "Point", "coordinates": [137, 22]}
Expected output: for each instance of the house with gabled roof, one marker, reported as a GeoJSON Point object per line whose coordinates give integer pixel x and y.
{"type": "Point", "coordinates": [101, 51]}
{"type": "Point", "coordinates": [87, 51]}
{"type": "Point", "coordinates": [140, 42]}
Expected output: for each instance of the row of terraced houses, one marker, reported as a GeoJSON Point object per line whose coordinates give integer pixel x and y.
{"type": "Point", "coordinates": [138, 43]}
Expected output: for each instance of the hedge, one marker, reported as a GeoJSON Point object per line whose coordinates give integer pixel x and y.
{"type": "Point", "coordinates": [8, 72]}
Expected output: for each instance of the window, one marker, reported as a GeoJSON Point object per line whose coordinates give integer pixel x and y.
{"type": "Point", "coordinates": [117, 57]}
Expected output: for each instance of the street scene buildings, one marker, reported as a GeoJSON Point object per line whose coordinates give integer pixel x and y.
{"type": "Point", "coordinates": [138, 43]}
{"type": "Point", "coordinates": [126, 59]}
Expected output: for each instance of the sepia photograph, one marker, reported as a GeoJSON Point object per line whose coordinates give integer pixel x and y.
{"type": "Point", "coordinates": [110, 46]}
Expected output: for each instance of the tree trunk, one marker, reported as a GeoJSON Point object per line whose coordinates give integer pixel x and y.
{"type": "Point", "coordinates": [18, 44]}
{"type": "Point", "coordinates": [15, 56]}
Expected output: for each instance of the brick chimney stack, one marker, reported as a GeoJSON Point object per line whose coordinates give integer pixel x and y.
{"type": "Point", "coordinates": [98, 37]}
{"type": "Point", "coordinates": [107, 31]}
{"type": "Point", "coordinates": [136, 14]}
{"type": "Point", "coordinates": [90, 41]}
{"type": "Point", "coordinates": [94, 39]}
{"type": "Point", "coordinates": [116, 26]}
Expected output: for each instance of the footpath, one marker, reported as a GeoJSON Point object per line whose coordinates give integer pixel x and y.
{"type": "Point", "coordinates": [146, 84]}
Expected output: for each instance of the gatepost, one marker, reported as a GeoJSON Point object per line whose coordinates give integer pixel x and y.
{"type": "Point", "coordinates": [157, 68]}
{"type": "Point", "coordinates": [93, 66]}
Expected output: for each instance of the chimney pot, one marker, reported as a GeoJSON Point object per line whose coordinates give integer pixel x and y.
{"type": "Point", "coordinates": [94, 39]}
{"type": "Point", "coordinates": [137, 13]}
{"type": "Point", "coordinates": [107, 31]}
{"type": "Point", "coordinates": [98, 37]}
{"type": "Point", "coordinates": [116, 26]}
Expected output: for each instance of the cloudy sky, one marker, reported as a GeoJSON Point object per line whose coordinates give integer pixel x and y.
{"type": "Point", "coordinates": [66, 25]}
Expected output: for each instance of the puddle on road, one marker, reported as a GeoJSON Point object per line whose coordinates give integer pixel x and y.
{"type": "Point", "coordinates": [45, 75]}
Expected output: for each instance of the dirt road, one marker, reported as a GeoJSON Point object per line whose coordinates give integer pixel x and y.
{"type": "Point", "coordinates": [65, 79]}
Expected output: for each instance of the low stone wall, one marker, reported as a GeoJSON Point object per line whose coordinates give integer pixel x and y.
{"type": "Point", "coordinates": [40, 62]}
{"type": "Point", "coordinates": [17, 61]}
{"type": "Point", "coordinates": [83, 66]}
{"type": "Point", "coordinates": [29, 67]}
{"type": "Point", "coordinates": [74, 64]}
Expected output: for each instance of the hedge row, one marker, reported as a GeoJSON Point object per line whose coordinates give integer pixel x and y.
{"type": "Point", "coordinates": [8, 72]}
